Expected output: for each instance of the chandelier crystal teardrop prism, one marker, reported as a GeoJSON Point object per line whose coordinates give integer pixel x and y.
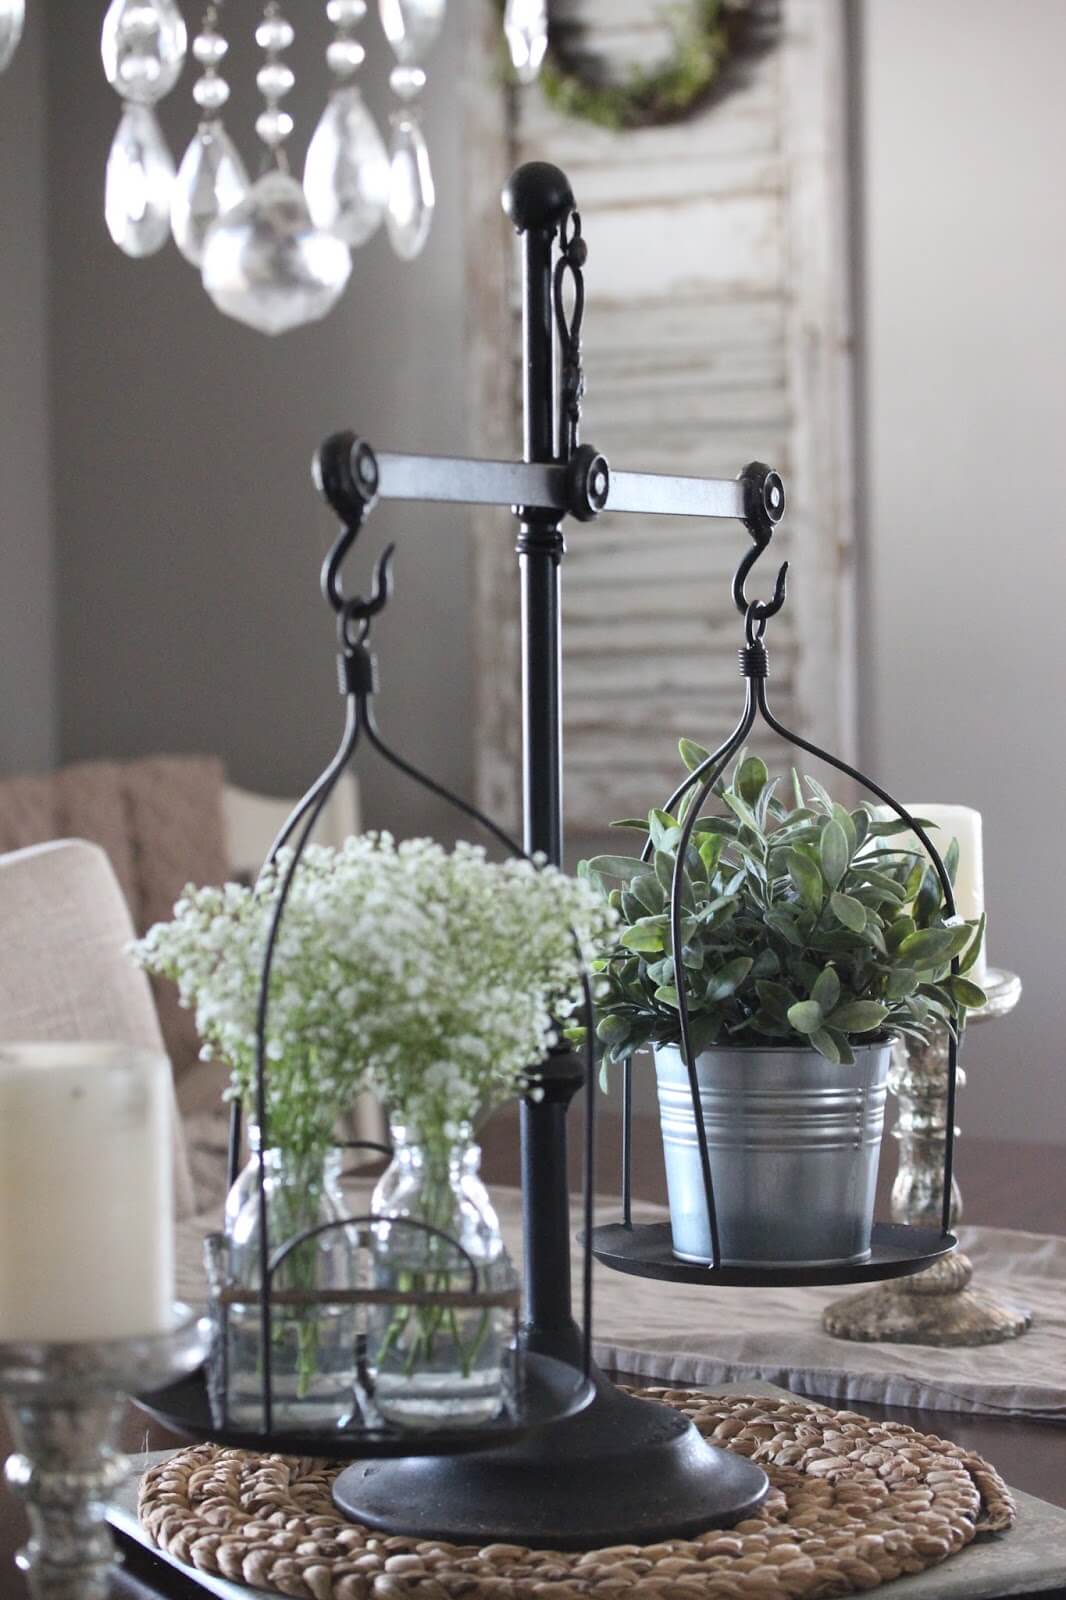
{"type": "Point", "coordinates": [525, 25]}
{"type": "Point", "coordinates": [412, 196]}
{"type": "Point", "coordinates": [140, 178]}
{"type": "Point", "coordinates": [412, 26]}
{"type": "Point", "coordinates": [12, 20]}
{"type": "Point", "coordinates": [274, 254]}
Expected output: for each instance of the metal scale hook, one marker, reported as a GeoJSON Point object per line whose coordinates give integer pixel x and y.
{"type": "Point", "coordinates": [345, 471]}
{"type": "Point", "coordinates": [764, 506]}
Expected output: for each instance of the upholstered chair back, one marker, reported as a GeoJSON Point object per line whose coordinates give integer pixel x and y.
{"type": "Point", "coordinates": [64, 971]}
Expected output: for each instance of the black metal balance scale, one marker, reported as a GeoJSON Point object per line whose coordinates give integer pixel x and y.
{"type": "Point", "coordinates": [585, 1465]}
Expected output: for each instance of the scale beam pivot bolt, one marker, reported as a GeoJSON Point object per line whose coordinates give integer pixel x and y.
{"type": "Point", "coordinates": [588, 483]}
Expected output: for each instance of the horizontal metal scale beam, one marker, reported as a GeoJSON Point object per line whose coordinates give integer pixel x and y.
{"type": "Point", "coordinates": [457, 480]}
{"type": "Point", "coordinates": [656, 495]}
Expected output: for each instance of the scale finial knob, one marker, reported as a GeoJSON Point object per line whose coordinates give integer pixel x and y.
{"type": "Point", "coordinates": [537, 195]}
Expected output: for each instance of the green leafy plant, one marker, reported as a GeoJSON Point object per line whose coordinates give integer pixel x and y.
{"type": "Point", "coordinates": [802, 925]}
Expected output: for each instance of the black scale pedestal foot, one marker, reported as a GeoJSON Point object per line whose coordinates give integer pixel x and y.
{"type": "Point", "coordinates": [623, 1471]}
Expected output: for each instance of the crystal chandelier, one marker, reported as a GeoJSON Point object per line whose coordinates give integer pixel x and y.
{"type": "Point", "coordinates": [274, 253]}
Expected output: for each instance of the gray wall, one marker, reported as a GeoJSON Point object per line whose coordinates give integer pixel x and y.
{"type": "Point", "coordinates": [963, 131]}
{"type": "Point", "coordinates": [187, 531]}
{"type": "Point", "coordinates": [27, 681]}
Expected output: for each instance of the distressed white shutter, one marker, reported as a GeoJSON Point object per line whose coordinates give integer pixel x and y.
{"type": "Point", "coordinates": [717, 332]}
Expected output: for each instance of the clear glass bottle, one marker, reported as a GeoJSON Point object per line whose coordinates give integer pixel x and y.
{"type": "Point", "coordinates": [431, 1366]}
{"type": "Point", "coordinates": [313, 1346]}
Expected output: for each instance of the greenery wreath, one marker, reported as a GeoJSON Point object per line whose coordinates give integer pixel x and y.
{"type": "Point", "coordinates": [704, 34]}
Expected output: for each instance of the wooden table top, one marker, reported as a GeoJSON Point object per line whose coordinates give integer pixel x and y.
{"type": "Point", "coordinates": [1006, 1185]}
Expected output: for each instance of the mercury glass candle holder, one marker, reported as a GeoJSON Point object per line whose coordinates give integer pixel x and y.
{"type": "Point", "coordinates": [63, 1402]}
{"type": "Point", "coordinates": [938, 1306]}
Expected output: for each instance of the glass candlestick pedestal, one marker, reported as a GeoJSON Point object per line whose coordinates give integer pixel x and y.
{"type": "Point", "coordinates": [63, 1402]}
{"type": "Point", "coordinates": [938, 1306]}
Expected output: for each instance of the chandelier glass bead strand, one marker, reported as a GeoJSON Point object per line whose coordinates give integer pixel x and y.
{"type": "Point", "coordinates": [411, 27]}
{"type": "Point", "coordinates": [143, 45]}
{"type": "Point", "coordinates": [212, 178]}
{"type": "Point", "coordinates": [274, 80]}
{"type": "Point", "coordinates": [265, 262]}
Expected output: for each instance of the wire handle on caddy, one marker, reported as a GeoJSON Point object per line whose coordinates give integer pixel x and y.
{"type": "Point", "coordinates": [346, 472]}
{"type": "Point", "coordinates": [765, 504]}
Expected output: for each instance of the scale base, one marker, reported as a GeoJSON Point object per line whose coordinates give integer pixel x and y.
{"type": "Point", "coordinates": [623, 1471]}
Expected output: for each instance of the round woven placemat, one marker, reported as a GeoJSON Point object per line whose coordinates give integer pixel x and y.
{"type": "Point", "coordinates": [852, 1504]}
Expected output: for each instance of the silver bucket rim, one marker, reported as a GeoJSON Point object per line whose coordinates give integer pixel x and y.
{"type": "Point", "coordinates": [877, 1043]}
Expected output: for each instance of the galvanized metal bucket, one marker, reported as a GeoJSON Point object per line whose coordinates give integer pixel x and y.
{"type": "Point", "coordinates": [794, 1143]}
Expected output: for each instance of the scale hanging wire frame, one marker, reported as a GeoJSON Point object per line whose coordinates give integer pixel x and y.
{"type": "Point", "coordinates": [766, 506]}
{"type": "Point", "coordinates": [347, 473]}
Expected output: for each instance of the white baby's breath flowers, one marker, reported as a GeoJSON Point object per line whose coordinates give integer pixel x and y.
{"type": "Point", "coordinates": [429, 976]}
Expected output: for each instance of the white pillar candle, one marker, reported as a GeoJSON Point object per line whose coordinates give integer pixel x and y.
{"type": "Point", "coordinates": [86, 1194]}
{"type": "Point", "coordinates": [964, 824]}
